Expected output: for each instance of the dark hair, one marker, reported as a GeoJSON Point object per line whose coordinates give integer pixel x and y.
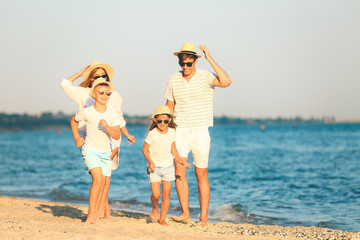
{"type": "Point", "coordinates": [153, 124]}
{"type": "Point", "coordinates": [184, 56]}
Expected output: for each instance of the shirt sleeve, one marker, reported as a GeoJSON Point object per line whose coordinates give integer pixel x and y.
{"type": "Point", "coordinates": [210, 77]}
{"type": "Point", "coordinates": [169, 91]}
{"type": "Point", "coordinates": [80, 116]}
{"type": "Point", "coordinates": [116, 103]}
{"type": "Point", "coordinates": [173, 136]}
{"type": "Point", "coordinates": [148, 138]}
{"type": "Point", "coordinates": [74, 92]}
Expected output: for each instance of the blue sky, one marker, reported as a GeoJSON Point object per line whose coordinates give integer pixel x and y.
{"type": "Point", "coordinates": [285, 58]}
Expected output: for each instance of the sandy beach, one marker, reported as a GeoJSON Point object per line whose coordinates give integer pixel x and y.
{"type": "Point", "coordinates": [30, 219]}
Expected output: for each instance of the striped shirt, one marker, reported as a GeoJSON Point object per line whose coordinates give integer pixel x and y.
{"type": "Point", "coordinates": [193, 99]}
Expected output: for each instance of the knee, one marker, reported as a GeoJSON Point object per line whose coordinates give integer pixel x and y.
{"type": "Point", "coordinates": [202, 177]}
{"type": "Point", "coordinates": [156, 197]}
{"type": "Point", "coordinates": [166, 196]}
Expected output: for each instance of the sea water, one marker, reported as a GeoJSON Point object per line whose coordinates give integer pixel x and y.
{"type": "Point", "coordinates": [288, 175]}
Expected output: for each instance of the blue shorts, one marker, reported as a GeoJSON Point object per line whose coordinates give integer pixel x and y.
{"type": "Point", "coordinates": [95, 159]}
{"type": "Point", "coordinates": [162, 174]}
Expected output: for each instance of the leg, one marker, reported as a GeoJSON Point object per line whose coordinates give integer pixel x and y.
{"type": "Point", "coordinates": [96, 184]}
{"type": "Point", "coordinates": [100, 199]}
{"type": "Point", "coordinates": [166, 190]}
{"type": "Point", "coordinates": [114, 152]}
{"type": "Point", "coordinates": [104, 208]}
{"type": "Point", "coordinates": [204, 193]}
{"type": "Point", "coordinates": [182, 189]}
{"type": "Point", "coordinates": [155, 196]}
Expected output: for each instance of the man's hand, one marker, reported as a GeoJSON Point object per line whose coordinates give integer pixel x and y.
{"type": "Point", "coordinates": [206, 52]}
{"type": "Point", "coordinates": [183, 162]}
{"type": "Point", "coordinates": [131, 139]}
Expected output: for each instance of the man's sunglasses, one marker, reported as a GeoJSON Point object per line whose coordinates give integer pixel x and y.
{"type": "Point", "coordinates": [106, 92]}
{"type": "Point", "coordinates": [103, 76]}
{"type": "Point", "coordinates": [189, 64]}
{"type": "Point", "coordinates": [160, 121]}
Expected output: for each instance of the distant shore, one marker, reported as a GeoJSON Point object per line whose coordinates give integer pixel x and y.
{"type": "Point", "coordinates": [30, 219]}
{"type": "Point", "coordinates": [51, 121]}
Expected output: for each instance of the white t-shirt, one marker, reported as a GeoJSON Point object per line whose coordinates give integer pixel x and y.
{"type": "Point", "coordinates": [81, 96]}
{"type": "Point", "coordinates": [97, 138]}
{"type": "Point", "coordinates": [193, 99]}
{"type": "Point", "coordinates": [160, 147]}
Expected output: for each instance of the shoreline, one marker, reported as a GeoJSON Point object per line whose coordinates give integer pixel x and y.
{"type": "Point", "coordinates": [34, 219]}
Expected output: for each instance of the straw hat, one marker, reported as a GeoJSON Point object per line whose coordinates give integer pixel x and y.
{"type": "Point", "coordinates": [188, 48]}
{"type": "Point", "coordinates": [100, 81]}
{"type": "Point", "coordinates": [162, 110]}
{"type": "Point", "coordinates": [109, 70]}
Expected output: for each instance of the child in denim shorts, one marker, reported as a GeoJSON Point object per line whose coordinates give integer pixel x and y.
{"type": "Point", "coordinates": [160, 151]}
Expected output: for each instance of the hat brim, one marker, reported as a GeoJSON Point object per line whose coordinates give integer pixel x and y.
{"type": "Point", "coordinates": [109, 70]}
{"type": "Point", "coordinates": [186, 52]}
{"type": "Point", "coordinates": [153, 116]}
{"type": "Point", "coordinates": [112, 88]}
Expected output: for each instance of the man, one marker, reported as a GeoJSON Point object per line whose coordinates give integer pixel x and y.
{"type": "Point", "coordinates": [189, 95]}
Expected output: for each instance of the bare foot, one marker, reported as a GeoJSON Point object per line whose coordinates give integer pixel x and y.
{"type": "Point", "coordinates": [181, 218]}
{"type": "Point", "coordinates": [202, 223]}
{"type": "Point", "coordinates": [163, 223]}
{"type": "Point", "coordinates": [90, 219]}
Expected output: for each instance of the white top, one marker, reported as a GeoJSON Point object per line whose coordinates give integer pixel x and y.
{"type": "Point", "coordinates": [97, 138]}
{"type": "Point", "coordinates": [81, 96]}
{"type": "Point", "coordinates": [193, 99]}
{"type": "Point", "coordinates": [160, 147]}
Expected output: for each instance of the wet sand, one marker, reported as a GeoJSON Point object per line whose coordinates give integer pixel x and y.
{"type": "Point", "coordinates": [29, 219]}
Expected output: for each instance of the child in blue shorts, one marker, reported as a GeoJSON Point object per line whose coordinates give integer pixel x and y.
{"type": "Point", "coordinates": [159, 150]}
{"type": "Point", "coordinates": [102, 123]}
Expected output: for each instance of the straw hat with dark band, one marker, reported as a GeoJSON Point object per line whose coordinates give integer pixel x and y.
{"type": "Point", "coordinates": [109, 70]}
{"type": "Point", "coordinates": [100, 81]}
{"type": "Point", "coordinates": [187, 48]}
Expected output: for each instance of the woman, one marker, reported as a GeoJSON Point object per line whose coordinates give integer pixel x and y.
{"type": "Point", "coordinates": [80, 94]}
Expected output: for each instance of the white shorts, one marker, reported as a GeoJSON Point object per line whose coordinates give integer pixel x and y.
{"type": "Point", "coordinates": [195, 140]}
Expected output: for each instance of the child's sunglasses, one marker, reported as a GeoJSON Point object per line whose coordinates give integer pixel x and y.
{"type": "Point", "coordinates": [189, 64]}
{"type": "Point", "coordinates": [103, 76]}
{"type": "Point", "coordinates": [160, 121]}
{"type": "Point", "coordinates": [102, 92]}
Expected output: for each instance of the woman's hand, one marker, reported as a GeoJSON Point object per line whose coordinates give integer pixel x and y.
{"type": "Point", "coordinates": [79, 142]}
{"type": "Point", "coordinates": [131, 139]}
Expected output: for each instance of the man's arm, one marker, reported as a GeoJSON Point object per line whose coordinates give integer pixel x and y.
{"type": "Point", "coordinates": [171, 105]}
{"type": "Point", "coordinates": [223, 79]}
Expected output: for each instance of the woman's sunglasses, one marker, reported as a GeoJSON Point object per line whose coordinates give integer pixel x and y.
{"type": "Point", "coordinates": [106, 92]}
{"type": "Point", "coordinates": [189, 64]}
{"type": "Point", "coordinates": [103, 76]}
{"type": "Point", "coordinates": [160, 121]}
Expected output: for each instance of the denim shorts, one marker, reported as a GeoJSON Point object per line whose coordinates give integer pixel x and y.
{"type": "Point", "coordinates": [162, 174]}
{"type": "Point", "coordinates": [95, 159]}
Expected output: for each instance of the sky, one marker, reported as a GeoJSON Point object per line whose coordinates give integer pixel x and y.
{"type": "Point", "coordinates": [285, 58]}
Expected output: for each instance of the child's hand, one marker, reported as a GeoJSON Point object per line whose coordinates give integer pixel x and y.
{"type": "Point", "coordinates": [103, 123]}
{"type": "Point", "coordinates": [183, 162]}
{"type": "Point", "coordinates": [79, 142]}
{"type": "Point", "coordinates": [151, 167]}
{"type": "Point", "coordinates": [131, 139]}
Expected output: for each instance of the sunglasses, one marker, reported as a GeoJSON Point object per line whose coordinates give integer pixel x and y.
{"type": "Point", "coordinates": [106, 92]}
{"type": "Point", "coordinates": [189, 64]}
{"type": "Point", "coordinates": [160, 121]}
{"type": "Point", "coordinates": [103, 76]}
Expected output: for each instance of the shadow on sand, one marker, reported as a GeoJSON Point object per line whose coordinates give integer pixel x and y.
{"type": "Point", "coordinates": [63, 211]}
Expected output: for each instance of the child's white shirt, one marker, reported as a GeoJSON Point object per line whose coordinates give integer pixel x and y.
{"type": "Point", "coordinates": [160, 147]}
{"type": "Point", "coordinates": [81, 96]}
{"type": "Point", "coordinates": [97, 138]}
